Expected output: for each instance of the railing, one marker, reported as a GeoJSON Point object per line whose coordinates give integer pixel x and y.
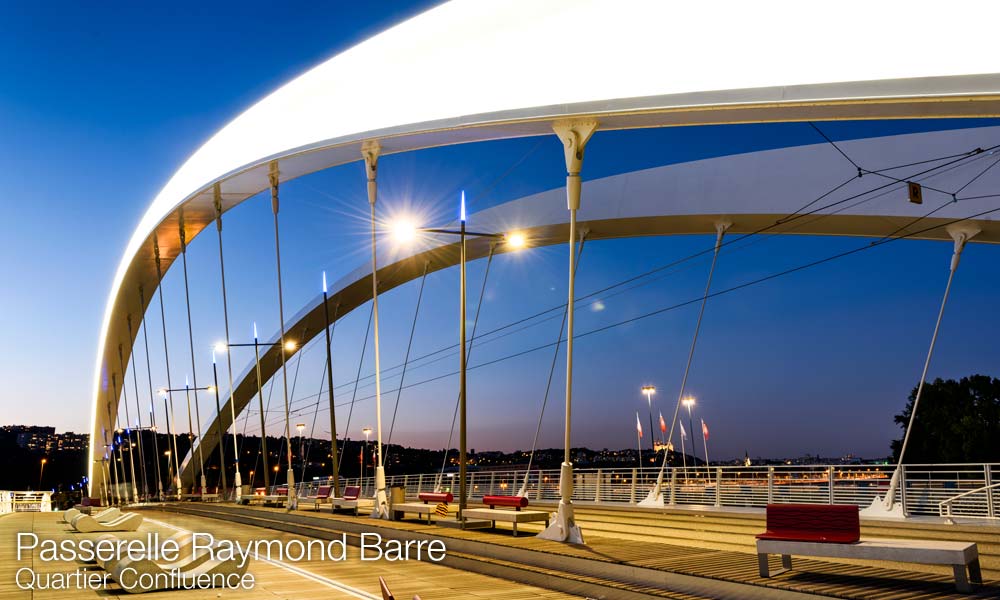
{"type": "Point", "coordinates": [945, 507]}
{"type": "Point", "coordinates": [923, 487]}
{"type": "Point", "coordinates": [25, 502]}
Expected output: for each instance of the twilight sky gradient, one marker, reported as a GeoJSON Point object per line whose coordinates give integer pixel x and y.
{"type": "Point", "coordinates": [100, 104]}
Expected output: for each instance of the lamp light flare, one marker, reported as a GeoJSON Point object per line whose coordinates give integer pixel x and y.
{"type": "Point", "coordinates": [220, 348]}
{"type": "Point", "coordinates": [688, 402]}
{"type": "Point", "coordinates": [462, 214]}
{"type": "Point", "coordinates": [403, 230]}
{"type": "Point", "coordinates": [290, 345]}
{"type": "Point", "coordinates": [324, 282]}
{"type": "Point", "coordinates": [255, 330]}
{"type": "Point", "coordinates": [516, 241]}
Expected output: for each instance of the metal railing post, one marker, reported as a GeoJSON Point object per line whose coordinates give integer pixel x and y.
{"type": "Point", "coordinates": [902, 487]}
{"type": "Point", "coordinates": [538, 488]}
{"type": "Point", "coordinates": [673, 486]}
{"type": "Point", "coordinates": [597, 486]}
{"type": "Point", "coordinates": [472, 481]}
{"type": "Point", "coordinates": [770, 485]}
{"type": "Point", "coordinates": [988, 480]}
{"type": "Point", "coordinates": [829, 478]}
{"type": "Point", "coordinates": [718, 486]}
{"type": "Point", "coordinates": [631, 497]}
{"type": "Point", "coordinates": [493, 480]}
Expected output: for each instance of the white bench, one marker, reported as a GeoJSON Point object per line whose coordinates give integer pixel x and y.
{"type": "Point", "coordinates": [960, 555]}
{"type": "Point", "coordinates": [509, 516]}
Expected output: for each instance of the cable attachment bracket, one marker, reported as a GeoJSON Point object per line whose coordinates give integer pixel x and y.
{"type": "Point", "coordinates": [370, 151]}
{"type": "Point", "coordinates": [574, 136]}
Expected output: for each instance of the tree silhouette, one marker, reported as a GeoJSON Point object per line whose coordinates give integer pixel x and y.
{"type": "Point", "coordinates": [957, 421]}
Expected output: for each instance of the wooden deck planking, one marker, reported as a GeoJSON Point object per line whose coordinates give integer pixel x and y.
{"type": "Point", "coordinates": [836, 579]}
{"type": "Point", "coordinates": [432, 582]}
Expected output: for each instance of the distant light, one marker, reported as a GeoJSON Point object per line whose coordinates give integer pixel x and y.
{"type": "Point", "coordinates": [462, 213]}
{"type": "Point", "coordinates": [648, 389]}
{"type": "Point", "coordinates": [688, 402]}
{"type": "Point", "coordinates": [290, 345]}
{"type": "Point", "coordinates": [403, 230]}
{"type": "Point", "coordinates": [324, 282]}
{"type": "Point", "coordinates": [516, 241]}
{"type": "Point", "coordinates": [210, 388]}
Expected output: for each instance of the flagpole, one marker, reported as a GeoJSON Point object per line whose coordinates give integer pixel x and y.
{"type": "Point", "coordinates": [638, 437]}
{"type": "Point", "coordinates": [684, 457]}
{"type": "Point", "coordinates": [704, 437]}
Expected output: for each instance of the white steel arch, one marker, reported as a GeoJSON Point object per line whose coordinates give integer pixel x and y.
{"type": "Point", "coordinates": [471, 71]}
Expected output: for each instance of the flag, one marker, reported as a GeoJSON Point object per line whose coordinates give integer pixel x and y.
{"type": "Point", "coordinates": [663, 424]}
{"type": "Point", "coordinates": [638, 424]}
{"type": "Point", "coordinates": [704, 429]}
{"type": "Point", "coordinates": [684, 434]}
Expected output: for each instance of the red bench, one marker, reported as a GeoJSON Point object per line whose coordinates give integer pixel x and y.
{"type": "Point", "coordinates": [494, 514]}
{"type": "Point", "coordinates": [322, 494]}
{"type": "Point", "coordinates": [827, 523]}
{"type": "Point", "coordinates": [516, 502]}
{"type": "Point", "coordinates": [435, 497]}
{"type": "Point", "coordinates": [834, 531]}
{"type": "Point", "coordinates": [349, 500]}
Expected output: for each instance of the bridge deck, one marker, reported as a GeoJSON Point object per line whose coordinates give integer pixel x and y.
{"type": "Point", "coordinates": [692, 560]}
{"type": "Point", "coordinates": [273, 579]}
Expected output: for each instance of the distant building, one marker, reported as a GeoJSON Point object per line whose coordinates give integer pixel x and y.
{"type": "Point", "coordinates": [45, 439]}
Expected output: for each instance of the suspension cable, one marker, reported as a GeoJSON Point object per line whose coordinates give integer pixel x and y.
{"type": "Point", "coordinates": [406, 359]}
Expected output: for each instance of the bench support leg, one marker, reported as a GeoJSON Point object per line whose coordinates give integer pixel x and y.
{"type": "Point", "coordinates": [765, 572]}
{"type": "Point", "coordinates": [961, 579]}
{"type": "Point", "coordinates": [515, 528]}
{"type": "Point", "coordinates": [975, 573]}
{"type": "Point", "coordinates": [786, 561]}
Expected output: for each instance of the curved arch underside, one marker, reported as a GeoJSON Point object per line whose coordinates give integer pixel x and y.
{"type": "Point", "coordinates": [752, 191]}
{"type": "Point", "coordinates": [475, 71]}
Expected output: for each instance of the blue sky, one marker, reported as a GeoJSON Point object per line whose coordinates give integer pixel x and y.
{"type": "Point", "coordinates": [100, 104]}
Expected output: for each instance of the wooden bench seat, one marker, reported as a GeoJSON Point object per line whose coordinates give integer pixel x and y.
{"type": "Point", "coordinates": [427, 507]}
{"type": "Point", "coordinates": [834, 531]}
{"type": "Point", "coordinates": [494, 514]}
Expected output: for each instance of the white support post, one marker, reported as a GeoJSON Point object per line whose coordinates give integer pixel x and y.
{"type": "Point", "coordinates": [829, 482]}
{"type": "Point", "coordinates": [886, 507]}
{"type": "Point", "coordinates": [673, 486]}
{"type": "Point", "coordinates": [597, 487]}
{"type": "Point", "coordinates": [631, 493]}
{"type": "Point", "coordinates": [718, 486]}
{"type": "Point", "coordinates": [574, 136]}
{"type": "Point", "coordinates": [770, 485]}
{"type": "Point", "coordinates": [370, 151]}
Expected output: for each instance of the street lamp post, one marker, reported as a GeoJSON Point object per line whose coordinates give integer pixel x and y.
{"type": "Point", "coordinates": [286, 347]}
{"type": "Point", "coordinates": [367, 431]}
{"type": "Point", "coordinates": [302, 455]}
{"type": "Point", "coordinates": [41, 472]}
{"type": "Point", "coordinates": [218, 421]}
{"type": "Point", "coordinates": [649, 390]}
{"type": "Point", "coordinates": [187, 389]}
{"type": "Point", "coordinates": [329, 390]}
{"type": "Point", "coordinates": [404, 231]}
{"type": "Point", "coordinates": [689, 402]}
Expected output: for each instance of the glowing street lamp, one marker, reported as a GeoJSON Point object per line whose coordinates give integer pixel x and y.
{"type": "Point", "coordinates": [41, 471]}
{"type": "Point", "coordinates": [404, 230]}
